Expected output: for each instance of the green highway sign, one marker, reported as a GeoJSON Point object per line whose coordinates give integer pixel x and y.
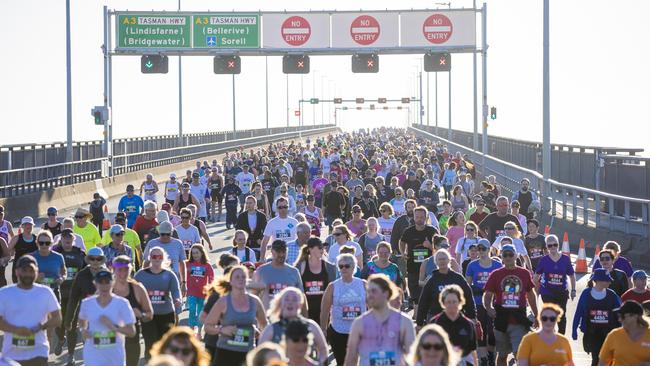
{"type": "Point", "coordinates": [153, 30]}
{"type": "Point", "coordinates": [229, 30]}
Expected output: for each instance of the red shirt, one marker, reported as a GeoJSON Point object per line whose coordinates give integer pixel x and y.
{"type": "Point", "coordinates": [510, 287]}
{"type": "Point", "coordinates": [638, 297]}
{"type": "Point", "coordinates": [198, 275]}
{"type": "Point", "coordinates": [142, 225]}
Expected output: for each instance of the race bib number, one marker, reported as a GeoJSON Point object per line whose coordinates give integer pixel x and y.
{"type": "Point", "coordinates": [49, 281]}
{"type": "Point", "coordinates": [383, 359]}
{"type": "Point", "coordinates": [283, 234]}
{"type": "Point", "coordinates": [130, 209]}
{"type": "Point", "coordinates": [197, 271]}
{"type": "Point", "coordinates": [241, 338]}
{"type": "Point", "coordinates": [215, 186]}
{"type": "Point", "coordinates": [371, 253]}
{"type": "Point", "coordinates": [420, 254]}
{"type": "Point", "coordinates": [536, 252]}
{"type": "Point", "coordinates": [510, 301]}
{"type": "Point", "coordinates": [274, 288]}
{"type": "Point", "coordinates": [351, 312]}
{"type": "Point", "coordinates": [157, 297]}
{"type": "Point", "coordinates": [555, 279]}
{"type": "Point", "coordinates": [71, 272]}
{"type": "Point", "coordinates": [104, 339]}
{"type": "Point", "coordinates": [187, 244]}
{"type": "Point", "coordinates": [599, 316]}
{"type": "Point", "coordinates": [314, 287]}
{"type": "Point", "coordinates": [22, 343]}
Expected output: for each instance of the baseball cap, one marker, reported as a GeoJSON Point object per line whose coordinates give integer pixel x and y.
{"type": "Point", "coordinates": [601, 274]}
{"type": "Point", "coordinates": [639, 274]}
{"type": "Point", "coordinates": [165, 227]}
{"type": "Point", "coordinates": [67, 232]}
{"type": "Point", "coordinates": [629, 307]}
{"type": "Point", "coordinates": [172, 175]}
{"type": "Point", "coordinates": [27, 220]}
{"type": "Point", "coordinates": [185, 185]}
{"type": "Point", "coordinates": [52, 210]}
{"type": "Point", "coordinates": [26, 260]}
{"type": "Point", "coordinates": [483, 243]}
{"type": "Point", "coordinates": [103, 275]}
{"type": "Point", "coordinates": [196, 175]}
{"type": "Point", "coordinates": [95, 252]}
{"type": "Point", "coordinates": [162, 216]}
{"type": "Point", "coordinates": [279, 245]}
{"type": "Point", "coordinates": [508, 247]}
{"type": "Point", "coordinates": [116, 229]}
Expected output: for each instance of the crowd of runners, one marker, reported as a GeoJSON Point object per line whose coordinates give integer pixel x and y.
{"type": "Point", "coordinates": [376, 248]}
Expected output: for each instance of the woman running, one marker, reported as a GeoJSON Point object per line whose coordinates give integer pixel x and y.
{"type": "Point", "coordinates": [316, 274]}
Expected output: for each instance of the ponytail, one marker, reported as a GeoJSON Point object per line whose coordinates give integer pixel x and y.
{"type": "Point", "coordinates": [304, 255]}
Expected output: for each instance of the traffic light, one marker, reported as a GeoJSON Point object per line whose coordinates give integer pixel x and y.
{"type": "Point", "coordinates": [154, 64]}
{"type": "Point", "coordinates": [227, 64]}
{"type": "Point", "coordinates": [434, 62]}
{"type": "Point", "coordinates": [372, 107]}
{"type": "Point", "coordinates": [360, 100]}
{"type": "Point", "coordinates": [100, 114]}
{"type": "Point", "coordinates": [406, 100]}
{"type": "Point", "coordinates": [314, 101]}
{"type": "Point", "coordinates": [365, 63]}
{"type": "Point", "coordinates": [295, 64]}
{"type": "Point", "coordinates": [338, 100]}
{"type": "Point", "coordinates": [493, 113]}
{"type": "Point", "coordinates": [381, 100]}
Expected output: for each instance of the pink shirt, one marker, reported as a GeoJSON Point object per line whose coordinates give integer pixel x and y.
{"type": "Point", "coordinates": [453, 235]}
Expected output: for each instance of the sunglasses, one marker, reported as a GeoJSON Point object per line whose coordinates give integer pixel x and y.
{"type": "Point", "coordinates": [183, 351]}
{"type": "Point", "coordinates": [337, 234]}
{"type": "Point", "coordinates": [283, 207]}
{"type": "Point", "coordinates": [93, 258]}
{"type": "Point", "coordinates": [469, 229]}
{"type": "Point", "coordinates": [551, 319]}
{"type": "Point", "coordinates": [345, 266]}
{"type": "Point", "coordinates": [156, 256]}
{"type": "Point", "coordinates": [44, 243]}
{"type": "Point", "coordinates": [165, 234]}
{"type": "Point", "coordinates": [356, 211]}
{"type": "Point", "coordinates": [119, 234]}
{"type": "Point", "coordinates": [507, 255]}
{"type": "Point", "coordinates": [605, 259]}
{"type": "Point", "coordinates": [398, 194]}
{"type": "Point", "coordinates": [79, 217]}
{"type": "Point", "coordinates": [510, 228]}
{"type": "Point", "coordinates": [552, 245]}
{"type": "Point", "coordinates": [435, 346]}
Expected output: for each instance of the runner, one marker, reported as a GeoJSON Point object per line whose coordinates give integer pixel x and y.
{"type": "Point", "coordinates": [629, 344]}
{"type": "Point", "coordinates": [640, 292]}
{"type": "Point", "coordinates": [104, 320]}
{"type": "Point", "coordinates": [135, 293]}
{"type": "Point", "coordinates": [313, 214]}
{"type": "Point", "coordinates": [235, 318]}
{"type": "Point", "coordinates": [333, 202]}
{"type": "Point", "coordinates": [535, 243]}
{"type": "Point", "coordinates": [68, 223]}
{"type": "Point", "coordinates": [303, 232]}
{"type": "Point", "coordinates": [462, 330]}
{"type": "Point", "coordinates": [244, 180]}
{"type": "Point", "coordinates": [262, 201]}
{"type": "Point", "coordinates": [203, 230]}
{"type": "Point", "coordinates": [273, 277]}
{"type": "Point", "coordinates": [342, 238]}
{"type": "Point", "coordinates": [551, 278]}
{"type": "Point", "coordinates": [171, 189]}
{"type": "Point", "coordinates": [465, 242]}
{"type": "Point", "coordinates": [23, 326]}
{"type": "Point", "coordinates": [433, 348]}
{"type": "Point", "coordinates": [131, 204]}
{"type": "Point", "coordinates": [402, 222]}
{"type": "Point", "coordinates": [202, 193]}
{"type": "Point", "coordinates": [381, 264]}
{"type": "Point", "coordinates": [6, 234]}
{"type": "Point", "coordinates": [386, 221]}
{"type": "Point", "coordinates": [284, 309]}
{"type": "Point", "coordinates": [546, 347]}
{"type": "Point", "coordinates": [85, 229]}
{"type": "Point", "coordinates": [185, 198]}
{"type": "Point", "coordinates": [215, 184]}
{"type": "Point", "coordinates": [162, 287]}
{"type": "Point", "coordinates": [241, 250]}
{"type": "Point", "coordinates": [507, 291]}
{"type": "Point", "coordinates": [231, 193]}
{"type": "Point", "coordinates": [130, 237]}
{"type": "Point", "coordinates": [21, 244]}
{"type": "Point", "coordinates": [281, 227]}
{"type": "Point", "coordinates": [173, 248]}
{"type": "Point", "coordinates": [149, 187]}
{"type": "Point", "coordinates": [296, 344]}
{"type": "Point", "coordinates": [52, 224]}
{"type": "Point", "coordinates": [381, 336]}
{"type": "Point", "coordinates": [51, 267]}
{"type": "Point", "coordinates": [253, 223]}
{"type": "Point", "coordinates": [182, 346]}
{"type": "Point", "coordinates": [117, 246]}
{"type": "Point", "coordinates": [199, 274]}
{"type": "Point", "coordinates": [145, 222]}
{"type": "Point", "coordinates": [619, 279]}
{"type": "Point", "coordinates": [96, 209]}
{"type": "Point", "coordinates": [344, 300]}
{"type": "Point", "coordinates": [620, 262]}
{"type": "Point", "coordinates": [525, 197]}
{"type": "Point", "coordinates": [188, 234]}
{"type": "Point", "coordinates": [477, 275]}
{"type": "Point", "coordinates": [492, 226]}
{"type": "Point", "coordinates": [82, 287]}
{"type": "Point", "coordinates": [316, 274]}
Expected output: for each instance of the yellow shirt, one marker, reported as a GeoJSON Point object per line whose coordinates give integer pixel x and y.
{"type": "Point", "coordinates": [90, 235]}
{"type": "Point", "coordinates": [537, 352]}
{"type": "Point", "coordinates": [619, 349]}
{"type": "Point", "coordinates": [131, 237]}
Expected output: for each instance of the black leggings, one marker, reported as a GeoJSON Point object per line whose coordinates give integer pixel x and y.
{"type": "Point", "coordinates": [228, 358]}
{"type": "Point", "coordinates": [154, 329]}
{"type": "Point", "coordinates": [132, 347]}
{"type": "Point", "coordinates": [38, 361]}
{"type": "Point", "coordinates": [70, 335]}
{"type": "Point", "coordinates": [339, 343]}
{"type": "Point", "coordinates": [560, 299]}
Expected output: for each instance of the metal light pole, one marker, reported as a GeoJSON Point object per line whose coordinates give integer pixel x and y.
{"type": "Point", "coordinates": [234, 115]}
{"type": "Point", "coordinates": [180, 95]}
{"type": "Point", "coordinates": [428, 108]}
{"type": "Point", "coordinates": [287, 100]}
{"type": "Point", "coordinates": [420, 98]}
{"type": "Point", "coordinates": [449, 134]}
{"type": "Point", "coordinates": [546, 112]}
{"type": "Point", "coordinates": [484, 142]}
{"type": "Point", "coordinates": [436, 87]}
{"type": "Point", "coordinates": [68, 64]}
{"type": "Point", "coordinates": [475, 94]}
{"type": "Point", "coordinates": [313, 93]}
{"type": "Point", "coordinates": [302, 97]}
{"type": "Point", "coordinates": [266, 78]}
{"type": "Point", "coordinates": [322, 107]}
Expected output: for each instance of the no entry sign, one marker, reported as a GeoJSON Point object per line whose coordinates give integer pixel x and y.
{"type": "Point", "coordinates": [296, 31]}
{"type": "Point", "coordinates": [365, 30]}
{"type": "Point", "coordinates": [437, 29]}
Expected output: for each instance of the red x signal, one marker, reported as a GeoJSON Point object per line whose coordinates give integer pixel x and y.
{"type": "Point", "coordinates": [231, 64]}
{"type": "Point", "coordinates": [443, 61]}
{"type": "Point", "coordinates": [371, 64]}
{"type": "Point", "coordinates": [301, 64]}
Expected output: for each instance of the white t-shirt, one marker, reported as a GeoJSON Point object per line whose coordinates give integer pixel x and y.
{"type": "Point", "coordinates": [241, 254]}
{"type": "Point", "coordinates": [325, 165]}
{"type": "Point", "coordinates": [78, 241]}
{"type": "Point", "coordinates": [335, 248]}
{"type": "Point", "coordinates": [188, 236]}
{"type": "Point", "coordinates": [245, 181]}
{"type": "Point", "coordinates": [386, 226]}
{"type": "Point", "coordinates": [26, 308]}
{"type": "Point", "coordinates": [518, 243]}
{"type": "Point", "coordinates": [462, 245]}
{"type": "Point", "coordinates": [105, 348]}
{"type": "Point", "coordinates": [283, 229]}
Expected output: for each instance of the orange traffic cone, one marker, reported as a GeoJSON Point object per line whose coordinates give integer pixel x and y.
{"type": "Point", "coordinates": [565, 244]}
{"type": "Point", "coordinates": [595, 255]}
{"type": "Point", "coordinates": [581, 262]}
{"type": "Point", "coordinates": [106, 224]}
{"type": "Point", "coordinates": [547, 230]}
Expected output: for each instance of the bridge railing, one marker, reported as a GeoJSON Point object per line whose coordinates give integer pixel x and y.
{"type": "Point", "coordinates": [40, 167]}
{"type": "Point", "coordinates": [580, 205]}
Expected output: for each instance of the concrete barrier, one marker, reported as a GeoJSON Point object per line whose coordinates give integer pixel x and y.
{"type": "Point", "coordinates": [79, 195]}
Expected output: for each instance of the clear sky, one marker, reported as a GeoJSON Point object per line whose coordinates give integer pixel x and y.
{"type": "Point", "coordinates": [600, 83]}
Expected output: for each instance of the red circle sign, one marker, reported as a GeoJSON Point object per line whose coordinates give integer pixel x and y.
{"type": "Point", "coordinates": [437, 28]}
{"type": "Point", "coordinates": [365, 30]}
{"type": "Point", "coordinates": [296, 30]}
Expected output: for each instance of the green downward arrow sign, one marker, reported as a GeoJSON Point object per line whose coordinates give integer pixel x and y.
{"type": "Point", "coordinates": [149, 64]}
